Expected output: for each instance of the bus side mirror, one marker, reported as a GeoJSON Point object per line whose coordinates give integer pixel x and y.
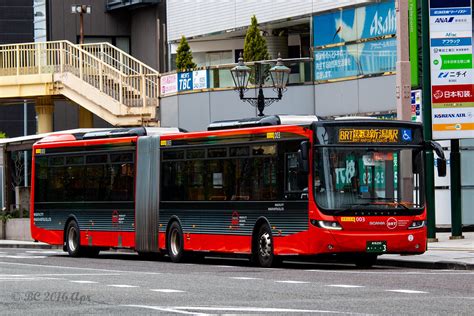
{"type": "Point", "coordinates": [438, 149]}
{"type": "Point", "coordinates": [441, 161]}
{"type": "Point", "coordinates": [441, 165]}
{"type": "Point", "coordinates": [303, 157]}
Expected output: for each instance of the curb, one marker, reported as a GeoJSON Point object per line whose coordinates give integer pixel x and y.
{"type": "Point", "coordinates": [32, 246]}
{"type": "Point", "coordinates": [439, 265]}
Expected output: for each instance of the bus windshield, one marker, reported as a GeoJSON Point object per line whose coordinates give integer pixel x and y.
{"type": "Point", "coordinates": [368, 178]}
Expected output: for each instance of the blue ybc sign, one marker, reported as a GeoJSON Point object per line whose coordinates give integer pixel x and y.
{"type": "Point", "coordinates": [355, 42]}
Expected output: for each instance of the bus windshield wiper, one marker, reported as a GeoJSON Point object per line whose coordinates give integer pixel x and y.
{"type": "Point", "coordinates": [376, 202]}
{"type": "Point", "coordinates": [390, 202]}
{"type": "Point", "coordinates": [352, 207]}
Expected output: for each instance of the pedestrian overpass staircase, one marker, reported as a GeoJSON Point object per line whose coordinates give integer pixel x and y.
{"type": "Point", "coordinates": [98, 77]}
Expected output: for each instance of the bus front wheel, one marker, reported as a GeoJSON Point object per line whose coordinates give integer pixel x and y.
{"type": "Point", "coordinates": [175, 242]}
{"type": "Point", "coordinates": [263, 249]}
{"type": "Point", "coordinates": [73, 245]}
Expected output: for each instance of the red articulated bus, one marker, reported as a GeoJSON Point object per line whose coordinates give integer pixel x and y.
{"type": "Point", "coordinates": [266, 187]}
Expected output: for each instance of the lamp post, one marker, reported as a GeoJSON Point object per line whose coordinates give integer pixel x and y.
{"type": "Point", "coordinates": [85, 117]}
{"type": "Point", "coordinates": [279, 75]}
{"type": "Point", "coordinates": [81, 9]}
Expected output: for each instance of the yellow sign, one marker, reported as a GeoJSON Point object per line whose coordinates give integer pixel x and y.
{"type": "Point", "coordinates": [165, 142]}
{"type": "Point", "coordinates": [273, 135]}
{"type": "Point", "coordinates": [373, 135]}
{"type": "Point", "coordinates": [348, 219]}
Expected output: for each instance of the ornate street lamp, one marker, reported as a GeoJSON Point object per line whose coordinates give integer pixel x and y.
{"type": "Point", "coordinates": [278, 73]}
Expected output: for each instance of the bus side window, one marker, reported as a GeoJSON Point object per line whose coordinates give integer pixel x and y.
{"type": "Point", "coordinates": [296, 186]}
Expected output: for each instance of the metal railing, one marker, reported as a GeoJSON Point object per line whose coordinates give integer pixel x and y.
{"type": "Point", "coordinates": [301, 73]}
{"type": "Point", "coordinates": [134, 70]}
{"type": "Point", "coordinates": [219, 77]}
{"type": "Point", "coordinates": [128, 88]}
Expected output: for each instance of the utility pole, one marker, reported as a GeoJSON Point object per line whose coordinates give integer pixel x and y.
{"type": "Point", "coordinates": [403, 62]}
{"type": "Point", "coordinates": [86, 117]}
{"type": "Point", "coordinates": [427, 128]}
{"type": "Point", "coordinates": [81, 9]}
{"type": "Point", "coordinates": [403, 94]}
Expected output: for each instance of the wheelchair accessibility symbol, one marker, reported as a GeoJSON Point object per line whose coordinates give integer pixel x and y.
{"type": "Point", "coordinates": [406, 135]}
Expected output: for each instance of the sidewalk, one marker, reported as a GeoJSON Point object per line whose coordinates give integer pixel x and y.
{"type": "Point", "coordinates": [445, 254]}
{"type": "Point", "coordinates": [26, 244]}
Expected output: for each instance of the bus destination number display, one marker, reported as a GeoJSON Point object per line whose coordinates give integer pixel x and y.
{"type": "Point", "coordinates": [369, 135]}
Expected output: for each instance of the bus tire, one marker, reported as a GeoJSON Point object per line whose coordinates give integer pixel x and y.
{"type": "Point", "coordinates": [365, 261]}
{"type": "Point", "coordinates": [175, 242]}
{"type": "Point", "coordinates": [73, 243]}
{"type": "Point", "coordinates": [263, 250]}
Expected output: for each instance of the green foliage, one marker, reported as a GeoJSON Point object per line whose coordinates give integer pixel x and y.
{"type": "Point", "coordinates": [4, 217]}
{"type": "Point", "coordinates": [255, 45]}
{"type": "Point", "coordinates": [184, 56]}
{"type": "Point", "coordinates": [3, 135]}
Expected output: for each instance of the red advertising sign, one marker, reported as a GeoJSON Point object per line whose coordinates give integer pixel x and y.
{"type": "Point", "coordinates": [453, 93]}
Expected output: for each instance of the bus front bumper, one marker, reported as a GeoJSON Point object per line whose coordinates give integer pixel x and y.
{"type": "Point", "coordinates": [398, 242]}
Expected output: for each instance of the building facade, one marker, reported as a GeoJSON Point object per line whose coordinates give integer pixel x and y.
{"type": "Point", "coordinates": [137, 27]}
{"type": "Point", "coordinates": [16, 26]}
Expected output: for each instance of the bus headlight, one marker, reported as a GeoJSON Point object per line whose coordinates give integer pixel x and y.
{"type": "Point", "coordinates": [416, 224]}
{"type": "Point", "coordinates": [329, 225]}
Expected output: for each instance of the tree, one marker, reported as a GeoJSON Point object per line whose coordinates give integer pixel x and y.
{"type": "Point", "coordinates": [184, 56]}
{"type": "Point", "coordinates": [3, 135]}
{"type": "Point", "coordinates": [255, 45]}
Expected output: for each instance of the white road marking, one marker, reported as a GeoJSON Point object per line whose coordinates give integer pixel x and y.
{"type": "Point", "coordinates": [27, 279]}
{"type": "Point", "coordinates": [84, 282]}
{"type": "Point", "coordinates": [167, 291]}
{"type": "Point", "coordinates": [45, 251]}
{"type": "Point", "coordinates": [75, 268]}
{"type": "Point", "coordinates": [122, 285]}
{"type": "Point", "coordinates": [190, 309]}
{"type": "Point", "coordinates": [407, 291]}
{"type": "Point", "coordinates": [164, 309]}
{"type": "Point", "coordinates": [391, 272]}
{"type": "Point", "coordinates": [22, 257]}
{"type": "Point", "coordinates": [292, 282]}
{"type": "Point", "coordinates": [245, 278]}
{"type": "Point", "coordinates": [58, 274]}
{"type": "Point", "coordinates": [345, 285]}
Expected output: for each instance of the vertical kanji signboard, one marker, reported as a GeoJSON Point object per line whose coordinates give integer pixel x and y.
{"type": "Point", "coordinates": [452, 87]}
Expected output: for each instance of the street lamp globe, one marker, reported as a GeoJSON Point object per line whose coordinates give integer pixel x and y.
{"type": "Point", "coordinates": [279, 74]}
{"type": "Point", "coordinates": [240, 75]}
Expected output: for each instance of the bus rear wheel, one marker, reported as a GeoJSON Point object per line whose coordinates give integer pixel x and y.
{"type": "Point", "coordinates": [263, 248]}
{"type": "Point", "coordinates": [175, 242]}
{"type": "Point", "coordinates": [73, 245]}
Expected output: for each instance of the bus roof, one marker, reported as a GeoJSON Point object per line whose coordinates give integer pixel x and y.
{"type": "Point", "coordinates": [304, 120]}
{"type": "Point", "coordinates": [108, 133]}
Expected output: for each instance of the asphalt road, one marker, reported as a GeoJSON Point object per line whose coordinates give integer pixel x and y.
{"type": "Point", "coordinates": [48, 282]}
